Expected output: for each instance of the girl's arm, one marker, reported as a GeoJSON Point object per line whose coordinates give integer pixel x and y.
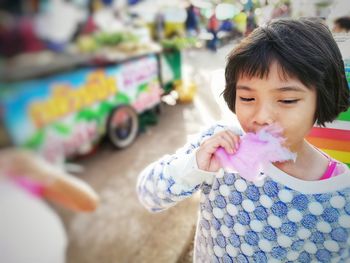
{"type": "Point", "coordinates": [174, 177]}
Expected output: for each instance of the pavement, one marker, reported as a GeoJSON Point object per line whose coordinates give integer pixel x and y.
{"type": "Point", "coordinates": [121, 230]}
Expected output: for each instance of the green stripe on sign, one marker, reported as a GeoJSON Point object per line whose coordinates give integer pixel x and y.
{"type": "Point", "coordinates": [344, 116]}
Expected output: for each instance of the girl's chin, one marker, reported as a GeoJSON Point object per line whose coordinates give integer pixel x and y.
{"type": "Point", "coordinates": [295, 148]}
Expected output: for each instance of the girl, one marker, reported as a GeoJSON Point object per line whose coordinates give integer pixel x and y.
{"type": "Point", "coordinates": [288, 73]}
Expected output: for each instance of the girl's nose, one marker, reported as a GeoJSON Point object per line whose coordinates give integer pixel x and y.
{"type": "Point", "coordinates": [264, 116]}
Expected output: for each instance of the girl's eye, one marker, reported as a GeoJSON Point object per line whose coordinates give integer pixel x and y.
{"type": "Point", "coordinates": [289, 101]}
{"type": "Point", "coordinates": [246, 99]}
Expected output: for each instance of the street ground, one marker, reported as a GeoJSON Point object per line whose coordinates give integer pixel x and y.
{"type": "Point", "coordinates": [121, 230]}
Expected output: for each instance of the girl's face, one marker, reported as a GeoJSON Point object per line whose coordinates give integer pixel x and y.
{"type": "Point", "coordinates": [284, 101]}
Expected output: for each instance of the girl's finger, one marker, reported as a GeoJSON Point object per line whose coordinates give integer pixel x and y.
{"type": "Point", "coordinates": [226, 136]}
{"type": "Point", "coordinates": [235, 138]}
{"type": "Point", "coordinates": [221, 141]}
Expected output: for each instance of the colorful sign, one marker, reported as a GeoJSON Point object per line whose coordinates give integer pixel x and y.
{"type": "Point", "coordinates": [66, 114]}
{"type": "Point", "coordinates": [65, 99]}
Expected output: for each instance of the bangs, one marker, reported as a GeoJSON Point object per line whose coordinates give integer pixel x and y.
{"type": "Point", "coordinates": [258, 65]}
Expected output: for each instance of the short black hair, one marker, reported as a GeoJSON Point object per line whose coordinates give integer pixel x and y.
{"type": "Point", "coordinates": [305, 49]}
{"type": "Point", "coordinates": [343, 22]}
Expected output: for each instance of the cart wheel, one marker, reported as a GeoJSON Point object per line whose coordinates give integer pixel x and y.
{"type": "Point", "coordinates": [122, 126]}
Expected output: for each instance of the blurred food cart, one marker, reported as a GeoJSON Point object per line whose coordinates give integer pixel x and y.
{"type": "Point", "coordinates": [62, 99]}
{"type": "Point", "coordinates": [62, 104]}
{"type": "Point", "coordinates": [65, 106]}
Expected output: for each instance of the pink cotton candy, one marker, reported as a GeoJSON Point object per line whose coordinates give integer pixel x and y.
{"type": "Point", "coordinates": [255, 151]}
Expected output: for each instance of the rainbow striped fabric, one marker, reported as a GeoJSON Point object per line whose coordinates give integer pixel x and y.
{"type": "Point", "coordinates": [334, 139]}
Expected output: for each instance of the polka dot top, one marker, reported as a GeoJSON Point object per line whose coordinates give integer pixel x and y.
{"type": "Point", "coordinates": [278, 219]}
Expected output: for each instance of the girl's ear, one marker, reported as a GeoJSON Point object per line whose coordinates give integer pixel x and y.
{"type": "Point", "coordinates": [58, 186]}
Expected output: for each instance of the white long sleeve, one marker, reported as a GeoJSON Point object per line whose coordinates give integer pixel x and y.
{"type": "Point", "coordinates": [174, 177]}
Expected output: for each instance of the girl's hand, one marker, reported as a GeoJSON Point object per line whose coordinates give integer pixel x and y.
{"type": "Point", "coordinates": [205, 157]}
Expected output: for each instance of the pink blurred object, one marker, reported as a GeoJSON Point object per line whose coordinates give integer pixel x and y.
{"type": "Point", "coordinates": [29, 185]}
{"type": "Point", "coordinates": [255, 151]}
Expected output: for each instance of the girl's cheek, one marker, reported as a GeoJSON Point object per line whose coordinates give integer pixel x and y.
{"type": "Point", "coordinates": [289, 141]}
{"type": "Point", "coordinates": [245, 126]}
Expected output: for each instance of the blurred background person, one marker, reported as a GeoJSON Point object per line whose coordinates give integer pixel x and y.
{"type": "Point", "coordinates": [213, 26]}
{"type": "Point", "coordinates": [251, 22]}
{"type": "Point", "coordinates": [226, 25]}
{"type": "Point", "coordinates": [281, 11]}
{"type": "Point", "coordinates": [191, 23]}
{"type": "Point", "coordinates": [342, 25]}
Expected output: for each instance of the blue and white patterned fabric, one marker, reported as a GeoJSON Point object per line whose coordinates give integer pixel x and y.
{"type": "Point", "coordinates": [278, 219]}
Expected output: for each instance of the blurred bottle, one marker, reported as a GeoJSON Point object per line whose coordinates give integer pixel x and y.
{"type": "Point", "coordinates": [30, 230]}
